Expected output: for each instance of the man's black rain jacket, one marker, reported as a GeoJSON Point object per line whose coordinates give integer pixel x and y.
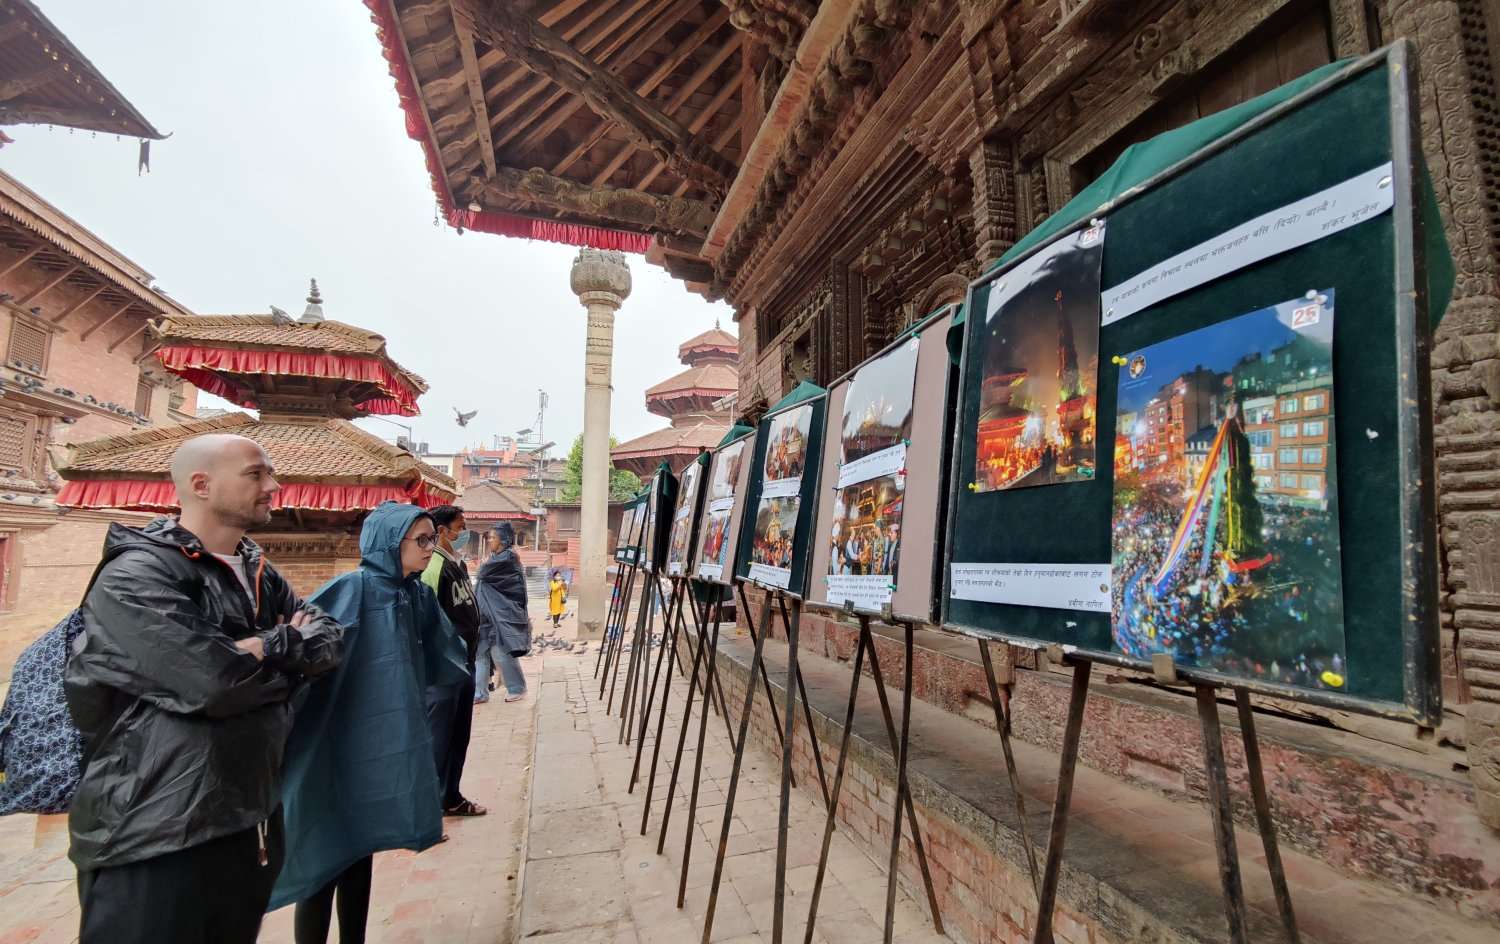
{"type": "Point", "coordinates": [183, 731]}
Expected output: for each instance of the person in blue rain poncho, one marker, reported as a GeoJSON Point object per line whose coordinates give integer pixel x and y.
{"type": "Point", "coordinates": [360, 775]}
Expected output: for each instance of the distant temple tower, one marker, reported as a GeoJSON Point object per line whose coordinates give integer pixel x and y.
{"type": "Point", "coordinates": [688, 400]}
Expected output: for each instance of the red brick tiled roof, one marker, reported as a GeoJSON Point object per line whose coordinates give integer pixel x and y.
{"type": "Point", "coordinates": [714, 337]}
{"type": "Point", "coordinates": [714, 380]}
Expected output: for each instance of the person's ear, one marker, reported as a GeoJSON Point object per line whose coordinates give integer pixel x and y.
{"type": "Point", "coordinates": [199, 484]}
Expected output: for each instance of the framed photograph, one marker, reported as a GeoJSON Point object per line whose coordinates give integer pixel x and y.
{"type": "Point", "coordinates": [727, 478]}
{"type": "Point", "coordinates": [775, 535]}
{"type": "Point", "coordinates": [685, 518]}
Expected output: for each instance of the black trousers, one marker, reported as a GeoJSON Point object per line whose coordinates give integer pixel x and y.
{"type": "Point", "coordinates": [312, 917]}
{"type": "Point", "coordinates": [213, 893]}
{"type": "Point", "coordinates": [450, 722]}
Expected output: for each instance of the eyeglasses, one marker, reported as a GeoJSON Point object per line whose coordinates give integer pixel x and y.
{"type": "Point", "coordinates": [425, 541]}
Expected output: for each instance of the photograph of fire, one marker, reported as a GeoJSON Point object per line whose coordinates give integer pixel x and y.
{"type": "Point", "coordinates": [1040, 363]}
{"type": "Point", "coordinates": [775, 532]}
{"type": "Point", "coordinates": [877, 406]}
{"type": "Point", "coordinates": [786, 449]}
{"type": "Point", "coordinates": [682, 519]}
{"type": "Point", "coordinates": [865, 539]}
{"type": "Point", "coordinates": [1226, 550]}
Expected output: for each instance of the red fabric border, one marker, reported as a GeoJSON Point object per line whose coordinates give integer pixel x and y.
{"type": "Point", "coordinates": [155, 495]}
{"type": "Point", "coordinates": [201, 366]}
{"type": "Point", "coordinates": [484, 221]}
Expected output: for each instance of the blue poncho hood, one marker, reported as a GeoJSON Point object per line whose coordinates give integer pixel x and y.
{"type": "Point", "coordinates": [360, 775]}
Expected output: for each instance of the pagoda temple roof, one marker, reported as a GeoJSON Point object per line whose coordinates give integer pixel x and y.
{"type": "Point", "coordinates": [322, 463]}
{"type": "Point", "coordinates": [712, 381]}
{"type": "Point", "coordinates": [675, 445]}
{"type": "Point", "coordinates": [232, 355]}
{"type": "Point", "coordinates": [713, 341]}
{"type": "Point", "coordinates": [49, 82]}
{"type": "Point", "coordinates": [490, 500]}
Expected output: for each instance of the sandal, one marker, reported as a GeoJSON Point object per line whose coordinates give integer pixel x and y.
{"type": "Point", "coordinates": [511, 699]}
{"type": "Point", "coordinates": [466, 808]}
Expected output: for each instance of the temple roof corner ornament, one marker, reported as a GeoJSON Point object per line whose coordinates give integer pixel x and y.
{"type": "Point", "coordinates": [313, 313]}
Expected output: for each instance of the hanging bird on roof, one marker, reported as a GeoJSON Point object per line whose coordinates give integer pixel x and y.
{"type": "Point", "coordinates": [463, 418]}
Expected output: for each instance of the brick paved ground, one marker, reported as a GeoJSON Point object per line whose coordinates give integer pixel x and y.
{"type": "Point", "coordinates": [591, 877]}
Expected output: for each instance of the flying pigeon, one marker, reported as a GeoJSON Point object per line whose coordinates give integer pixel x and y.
{"type": "Point", "coordinates": [463, 418]}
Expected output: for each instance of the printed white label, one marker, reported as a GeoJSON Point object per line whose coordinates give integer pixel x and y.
{"type": "Point", "coordinates": [1307, 220]}
{"type": "Point", "coordinates": [781, 488]}
{"type": "Point", "coordinates": [710, 571]}
{"type": "Point", "coordinates": [1057, 586]}
{"type": "Point", "coordinates": [770, 576]}
{"type": "Point", "coordinates": [885, 462]}
{"type": "Point", "coordinates": [721, 504]}
{"type": "Point", "coordinates": [868, 592]}
{"type": "Point", "coordinates": [674, 568]}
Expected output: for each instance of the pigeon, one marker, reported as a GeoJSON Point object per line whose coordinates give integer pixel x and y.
{"type": "Point", "coordinates": [463, 418]}
{"type": "Point", "coordinates": [279, 316]}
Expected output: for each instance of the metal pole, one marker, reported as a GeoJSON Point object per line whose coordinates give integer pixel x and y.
{"type": "Point", "coordinates": [1052, 871]}
{"type": "Point", "coordinates": [812, 731]}
{"type": "Point", "coordinates": [691, 830]}
{"type": "Point", "coordinates": [1223, 814]}
{"type": "Point", "coordinates": [765, 679]}
{"type": "Point", "coordinates": [661, 723]}
{"type": "Point", "coordinates": [1002, 724]}
{"type": "Point", "coordinates": [614, 598]}
{"type": "Point", "coordinates": [778, 912]}
{"type": "Point", "coordinates": [901, 789]}
{"type": "Point", "coordinates": [661, 654]}
{"type": "Point", "coordinates": [687, 715]}
{"type": "Point", "coordinates": [1263, 815]}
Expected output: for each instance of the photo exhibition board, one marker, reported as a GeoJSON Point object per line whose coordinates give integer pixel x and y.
{"type": "Point", "coordinates": [686, 514]}
{"type": "Point", "coordinates": [876, 535]}
{"type": "Point", "coordinates": [1259, 507]}
{"type": "Point", "coordinates": [661, 497]}
{"type": "Point", "coordinates": [776, 532]}
{"type": "Point", "coordinates": [718, 535]}
{"type": "Point", "coordinates": [632, 520]}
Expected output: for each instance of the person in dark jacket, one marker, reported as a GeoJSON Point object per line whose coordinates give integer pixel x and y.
{"type": "Point", "coordinates": [505, 627]}
{"type": "Point", "coordinates": [450, 713]}
{"type": "Point", "coordinates": [181, 684]}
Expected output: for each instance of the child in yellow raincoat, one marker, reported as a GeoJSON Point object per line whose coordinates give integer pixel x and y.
{"type": "Point", "coordinates": [557, 597]}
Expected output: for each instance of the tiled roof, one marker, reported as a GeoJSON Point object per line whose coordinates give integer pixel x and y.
{"type": "Point", "coordinates": [316, 450]}
{"type": "Point", "coordinates": [713, 380]}
{"type": "Point", "coordinates": [713, 337]}
{"type": "Point", "coordinates": [673, 439]}
{"type": "Point", "coordinates": [489, 497]}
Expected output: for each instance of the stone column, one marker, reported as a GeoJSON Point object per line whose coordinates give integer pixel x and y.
{"type": "Point", "coordinates": [601, 280]}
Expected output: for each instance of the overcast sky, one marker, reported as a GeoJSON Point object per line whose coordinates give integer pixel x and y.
{"type": "Point", "coordinates": [289, 159]}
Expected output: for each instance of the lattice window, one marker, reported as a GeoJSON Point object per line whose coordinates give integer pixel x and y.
{"type": "Point", "coordinates": [28, 347]}
{"type": "Point", "coordinates": [15, 452]}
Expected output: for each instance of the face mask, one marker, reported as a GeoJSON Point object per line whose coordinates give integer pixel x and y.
{"type": "Point", "coordinates": [461, 541]}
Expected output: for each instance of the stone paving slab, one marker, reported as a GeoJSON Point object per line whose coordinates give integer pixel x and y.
{"type": "Point", "coordinates": [629, 894]}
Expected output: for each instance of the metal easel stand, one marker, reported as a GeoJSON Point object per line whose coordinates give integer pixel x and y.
{"type": "Point", "coordinates": [640, 653]}
{"type": "Point", "coordinates": [609, 618]}
{"type": "Point", "coordinates": [615, 639]}
{"type": "Point", "coordinates": [1219, 802]}
{"type": "Point", "coordinates": [900, 753]}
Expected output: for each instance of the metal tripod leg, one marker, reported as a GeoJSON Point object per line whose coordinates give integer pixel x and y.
{"type": "Point", "coordinates": [1223, 814]}
{"type": "Point", "coordinates": [661, 654]}
{"type": "Point", "coordinates": [609, 619]}
{"type": "Point", "coordinates": [1002, 724]}
{"type": "Point", "coordinates": [687, 716]}
{"type": "Point", "coordinates": [690, 831]}
{"type": "Point", "coordinates": [755, 638]}
{"type": "Point", "coordinates": [1263, 816]}
{"type": "Point", "coordinates": [778, 911]}
{"type": "Point", "coordinates": [661, 721]}
{"type": "Point", "coordinates": [812, 730]}
{"type": "Point", "coordinates": [1052, 871]}
{"type": "Point", "coordinates": [640, 656]}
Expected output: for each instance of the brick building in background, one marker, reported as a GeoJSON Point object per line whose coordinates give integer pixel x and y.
{"type": "Point", "coordinates": [308, 379]}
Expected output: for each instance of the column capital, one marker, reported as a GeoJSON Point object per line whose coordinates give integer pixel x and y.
{"type": "Point", "coordinates": [602, 275]}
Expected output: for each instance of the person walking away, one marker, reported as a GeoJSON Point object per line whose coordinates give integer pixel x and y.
{"type": "Point", "coordinates": [451, 719]}
{"type": "Point", "coordinates": [181, 685]}
{"type": "Point", "coordinates": [501, 585]}
{"type": "Point", "coordinates": [360, 777]}
{"type": "Point", "coordinates": [557, 598]}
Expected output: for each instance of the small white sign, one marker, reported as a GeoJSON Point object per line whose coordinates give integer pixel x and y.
{"type": "Point", "coordinates": [782, 488]}
{"type": "Point", "coordinates": [885, 462]}
{"type": "Point", "coordinates": [1304, 221]}
{"type": "Point", "coordinates": [770, 576]}
{"type": "Point", "coordinates": [721, 504]}
{"type": "Point", "coordinates": [674, 568]}
{"type": "Point", "coordinates": [1057, 586]}
{"type": "Point", "coordinates": [868, 592]}
{"type": "Point", "coordinates": [710, 571]}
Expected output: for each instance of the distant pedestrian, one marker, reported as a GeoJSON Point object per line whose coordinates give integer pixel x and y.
{"type": "Point", "coordinates": [192, 648]}
{"type": "Point", "coordinates": [450, 712]}
{"type": "Point", "coordinates": [557, 597]}
{"type": "Point", "coordinates": [505, 627]}
{"type": "Point", "coordinates": [360, 776]}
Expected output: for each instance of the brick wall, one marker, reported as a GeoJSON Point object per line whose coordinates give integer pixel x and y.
{"type": "Point", "coordinates": [307, 574]}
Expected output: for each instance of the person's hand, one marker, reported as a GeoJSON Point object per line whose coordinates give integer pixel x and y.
{"type": "Point", "coordinates": [253, 645]}
{"type": "Point", "coordinates": [299, 619]}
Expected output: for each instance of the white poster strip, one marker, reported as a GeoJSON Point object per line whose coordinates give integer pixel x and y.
{"type": "Point", "coordinates": [868, 592]}
{"type": "Point", "coordinates": [711, 571]}
{"type": "Point", "coordinates": [885, 462]}
{"type": "Point", "coordinates": [721, 504]}
{"type": "Point", "coordinates": [1057, 586]}
{"type": "Point", "coordinates": [782, 488]}
{"type": "Point", "coordinates": [770, 576]}
{"type": "Point", "coordinates": [674, 568]}
{"type": "Point", "coordinates": [1307, 220]}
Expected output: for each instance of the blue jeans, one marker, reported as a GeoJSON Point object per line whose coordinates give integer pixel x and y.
{"type": "Point", "coordinates": [492, 653]}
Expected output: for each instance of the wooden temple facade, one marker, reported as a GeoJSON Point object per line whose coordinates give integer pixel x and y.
{"type": "Point", "coordinates": [838, 169]}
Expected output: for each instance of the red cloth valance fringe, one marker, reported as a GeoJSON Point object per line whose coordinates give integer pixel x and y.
{"type": "Point", "coordinates": [572, 234]}
{"type": "Point", "coordinates": [200, 367]}
{"type": "Point", "coordinates": [154, 495]}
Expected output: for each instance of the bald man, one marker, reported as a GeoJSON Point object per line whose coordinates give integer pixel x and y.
{"type": "Point", "coordinates": [193, 646]}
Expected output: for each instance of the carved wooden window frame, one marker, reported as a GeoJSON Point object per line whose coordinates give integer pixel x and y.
{"type": "Point", "coordinates": [26, 320]}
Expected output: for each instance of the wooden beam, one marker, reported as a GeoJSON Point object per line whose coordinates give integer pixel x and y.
{"type": "Point", "coordinates": [708, 67]}
{"type": "Point", "coordinates": [121, 340]}
{"type": "Point", "coordinates": [12, 28]}
{"type": "Point", "coordinates": [15, 88]}
{"type": "Point", "coordinates": [476, 97]}
{"type": "Point", "coordinates": [99, 324]}
{"type": "Point", "coordinates": [629, 208]}
{"type": "Point", "coordinates": [622, 18]}
{"type": "Point", "coordinates": [548, 54]}
{"type": "Point", "coordinates": [46, 287]}
{"type": "Point", "coordinates": [704, 117]}
{"type": "Point", "coordinates": [658, 75]}
{"type": "Point", "coordinates": [659, 23]}
{"type": "Point", "coordinates": [23, 114]}
{"type": "Point", "coordinates": [25, 257]}
{"type": "Point", "coordinates": [79, 304]}
{"type": "Point", "coordinates": [540, 83]}
{"type": "Point", "coordinates": [723, 138]}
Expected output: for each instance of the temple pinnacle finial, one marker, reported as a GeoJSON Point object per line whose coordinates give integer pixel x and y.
{"type": "Point", "coordinates": [314, 311]}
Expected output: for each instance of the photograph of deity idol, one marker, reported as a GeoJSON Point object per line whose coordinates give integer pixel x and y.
{"type": "Point", "coordinates": [865, 539]}
{"type": "Point", "coordinates": [1225, 531]}
{"type": "Point", "coordinates": [786, 451]}
{"type": "Point", "coordinates": [775, 532]}
{"type": "Point", "coordinates": [682, 519]}
{"type": "Point", "coordinates": [877, 405]}
{"type": "Point", "coordinates": [1039, 355]}
{"type": "Point", "coordinates": [725, 474]}
{"type": "Point", "coordinates": [712, 549]}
